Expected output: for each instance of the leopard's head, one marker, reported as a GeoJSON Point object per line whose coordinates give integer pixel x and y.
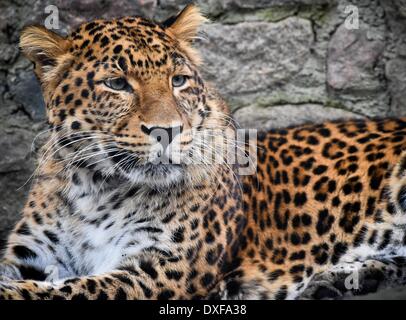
{"type": "Point", "coordinates": [125, 95]}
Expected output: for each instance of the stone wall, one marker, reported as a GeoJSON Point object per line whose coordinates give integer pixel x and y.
{"type": "Point", "coordinates": [277, 62]}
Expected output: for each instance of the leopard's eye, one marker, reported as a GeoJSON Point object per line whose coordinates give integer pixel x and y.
{"type": "Point", "coordinates": [118, 84]}
{"type": "Point", "coordinates": [179, 80]}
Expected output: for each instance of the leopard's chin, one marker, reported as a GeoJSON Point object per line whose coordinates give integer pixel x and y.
{"type": "Point", "coordinates": [156, 175]}
{"type": "Point", "coordinates": [159, 174]}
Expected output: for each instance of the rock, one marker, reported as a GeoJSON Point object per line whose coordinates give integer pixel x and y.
{"type": "Point", "coordinates": [15, 147]}
{"type": "Point", "coordinates": [352, 57]}
{"type": "Point", "coordinates": [16, 166]}
{"type": "Point", "coordinates": [13, 191]}
{"type": "Point", "coordinates": [255, 4]}
{"type": "Point", "coordinates": [33, 103]}
{"type": "Point", "coordinates": [74, 12]}
{"type": "Point", "coordinates": [8, 53]}
{"type": "Point", "coordinates": [396, 73]}
{"type": "Point", "coordinates": [287, 115]}
{"type": "Point", "coordinates": [239, 62]}
{"type": "Point", "coordinates": [400, 6]}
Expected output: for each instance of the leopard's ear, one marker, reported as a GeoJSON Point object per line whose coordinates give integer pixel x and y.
{"type": "Point", "coordinates": [185, 25]}
{"type": "Point", "coordinates": [44, 48]}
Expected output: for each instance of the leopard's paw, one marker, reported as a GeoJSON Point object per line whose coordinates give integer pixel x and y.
{"type": "Point", "coordinates": [321, 289]}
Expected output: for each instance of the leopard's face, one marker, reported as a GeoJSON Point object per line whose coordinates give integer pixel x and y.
{"type": "Point", "coordinates": [126, 94]}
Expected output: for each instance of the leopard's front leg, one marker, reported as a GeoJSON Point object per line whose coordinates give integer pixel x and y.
{"type": "Point", "coordinates": [144, 279]}
{"type": "Point", "coordinates": [114, 285]}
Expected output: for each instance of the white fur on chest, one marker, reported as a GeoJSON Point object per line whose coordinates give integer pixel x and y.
{"type": "Point", "coordinates": [101, 237]}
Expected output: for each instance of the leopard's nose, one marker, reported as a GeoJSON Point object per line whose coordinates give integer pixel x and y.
{"type": "Point", "coordinates": [163, 134]}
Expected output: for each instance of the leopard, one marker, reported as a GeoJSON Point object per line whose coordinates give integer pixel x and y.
{"type": "Point", "coordinates": [134, 197]}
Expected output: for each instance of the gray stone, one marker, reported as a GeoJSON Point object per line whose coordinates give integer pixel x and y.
{"type": "Point", "coordinates": [75, 12]}
{"type": "Point", "coordinates": [240, 62]}
{"type": "Point", "coordinates": [214, 8]}
{"type": "Point", "coordinates": [287, 115]}
{"type": "Point", "coordinates": [8, 53]}
{"type": "Point", "coordinates": [33, 103]}
{"type": "Point", "coordinates": [255, 4]}
{"type": "Point", "coordinates": [396, 73]}
{"type": "Point", "coordinates": [15, 146]}
{"type": "Point", "coordinates": [400, 5]}
{"type": "Point", "coordinates": [352, 57]}
{"type": "Point", "coordinates": [13, 189]}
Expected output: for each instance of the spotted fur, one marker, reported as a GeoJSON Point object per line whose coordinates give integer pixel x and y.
{"type": "Point", "coordinates": [325, 199]}
{"type": "Point", "coordinates": [103, 220]}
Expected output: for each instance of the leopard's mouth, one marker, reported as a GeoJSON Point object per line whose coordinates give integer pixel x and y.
{"type": "Point", "coordinates": [139, 170]}
{"type": "Point", "coordinates": [128, 161]}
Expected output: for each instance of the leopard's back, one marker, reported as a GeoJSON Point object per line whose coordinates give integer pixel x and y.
{"type": "Point", "coordinates": [323, 194]}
